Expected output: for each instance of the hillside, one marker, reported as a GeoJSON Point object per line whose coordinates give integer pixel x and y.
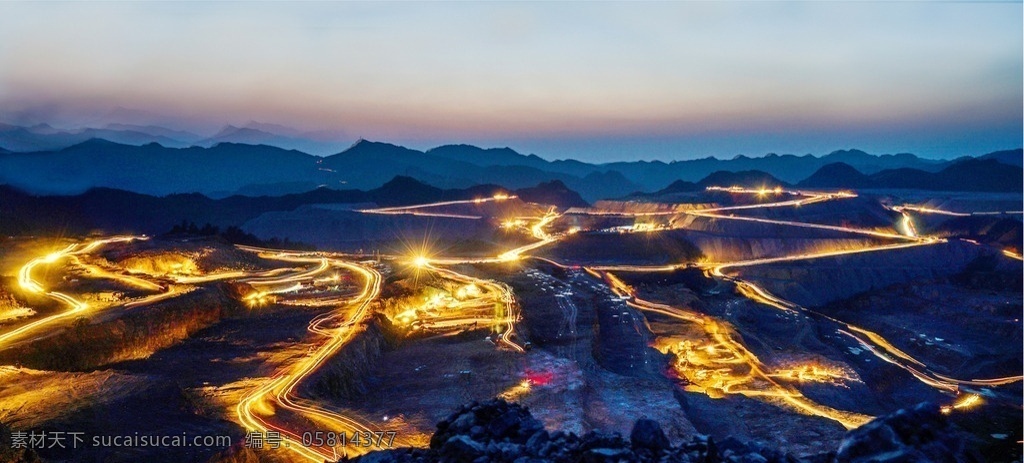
{"type": "Point", "coordinates": [969, 174]}
{"type": "Point", "coordinates": [117, 211]}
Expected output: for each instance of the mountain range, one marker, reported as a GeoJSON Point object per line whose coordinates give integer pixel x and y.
{"type": "Point", "coordinates": [986, 173]}
{"type": "Point", "coordinates": [253, 167]}
{"type": "Point", "coordinates": [43, 137]}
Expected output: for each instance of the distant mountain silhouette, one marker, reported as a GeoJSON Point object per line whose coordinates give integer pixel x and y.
{"type": "Point", "coordinates": [119, 211]}
{"type": "Point", "coordinates": [154, 169]}
{"type": "Point", "coordinates": [644, 175]}
{"type": "Point", "coordinates": [261, 134]}
{"type": "Point", "coordinates": [678, 186]}
{"type": "Point", "coordinates": [965, 175]}
{"type": "Point", "coordinates": [43, 137]}
{"type": "Point", "coordinates": [225, 167]}
{"type": "Point", "coordinates": [838, 175]}
{"type": "Point", "coordinates": [747, 178]}
{"type": "Point", "coordinates": [554, 192]}
{"type": "Point", "coordinates": [1011, 157]}
{"type": "Point", "coordinates": [156, 131]}
{"type": "Point", "coordinates": [487, 156]}
{"type": "Point", "coordinates": [372, 162]}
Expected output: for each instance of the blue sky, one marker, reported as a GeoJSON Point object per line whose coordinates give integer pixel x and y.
{"type": "Point", "coordinates": [593, 81]}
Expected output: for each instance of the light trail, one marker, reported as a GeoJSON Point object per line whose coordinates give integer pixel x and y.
{"type": "Point", "coordinates": [717, 368]}
{"type": "Point", "coordinates": [504, 295]}
{"type": "Point", "coordinates": [100, 272]}
{"type": "Point", "coordinates": [908, 225]}
{"type": "Point", "coordinates": [324, 265]}
{"type": "Point", "coordinates": [967, 401]}
{"type": "Point", "coordinates": [415, 210]}
{"type": "Point", "coordinates": [717, 269]}
{"type": "Point", "coordinates": [281, 389]}
{"type": "Point", "coordinates": [539, 233]}
{"type": "Point", "coordinates": [29, 284]}
{"type": "Point", "coordinates": [808, 198]}
{"type": "Point", "coordinates": [930, 210]}
{"type": "Point", "coordinates": [803, 225]}
{"type": "Point", "coordinates": [871, 341]}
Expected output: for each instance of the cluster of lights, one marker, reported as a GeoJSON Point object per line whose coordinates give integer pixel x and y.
{"type": "Point", "coordinates": [259, 299]}
{"type": "Point", "coordinates": [813, 373]}
{"type": "Point", "coordinates": [964, 402]}
{"type": "Point", "coordinates": [513, 223]}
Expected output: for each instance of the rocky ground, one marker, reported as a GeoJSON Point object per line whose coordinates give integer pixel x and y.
{"type": "Point", "coordinates": [497, 431]}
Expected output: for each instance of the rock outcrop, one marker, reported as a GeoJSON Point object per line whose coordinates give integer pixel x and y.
{"type": "Point", "coordinates": [500, 432]}
{"type": "Point", "coordinates": [919, 434]}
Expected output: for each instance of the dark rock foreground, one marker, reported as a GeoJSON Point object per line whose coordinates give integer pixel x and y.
{"type": "Point", "coordinates": [499, 432]}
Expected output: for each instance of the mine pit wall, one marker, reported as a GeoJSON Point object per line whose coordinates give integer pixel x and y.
{"type": "Point", "coordinates": [344, 376]}
{"type": "Point", "coordinates": [725, 249]}
{"type": "Point", "coordinates": [633, 207]}
{"type": "Point", "coordinates": [135, 335]}
{"type": "Point", "coordinates": [621, 344]}
{"type": "Point", "coordinates": [679, 246]}
{"type": "Point", "coordinates": [815, 283]}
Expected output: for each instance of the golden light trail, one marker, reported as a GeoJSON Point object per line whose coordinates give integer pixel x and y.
{"type": "Point", "coordinates": [510, 315]}
{"type": "Point", "coordinates": [100, 272]}
{"type": "Point", "coordinates": [725, 366]}
{"type": "Point", "coordinates": [931, 210]}
{"type": "Point", "coordinates": [802, 225]}
{"type": "Point", "coordinates": [30, 285]}
{"type": "Point", "coordinates": [1013, 255]}
{"type": "Point", "coordinates": [807, 198]}
{"type": "Point", "coordinates": [908, 225]}
{"type": "Point", "coordinates": [416, 209]}
{"type": "Point", "coordinates": [718, 268]}
{"type": "Point", "coordinates": [281, 389]}
{"type": "Point", "coordinates": [539, 233]}
{"type": "Point", "coordinates": [967, 401]}
{"type": "Point", "coordinates": [871, 341]}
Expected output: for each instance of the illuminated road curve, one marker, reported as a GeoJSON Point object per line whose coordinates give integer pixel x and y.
{"type": "Point", "coordinates": [280, 391]}
{"type": "Point", "coordinates": [802, 225]}
{"type": "Point", "coordinates": [871, 341]}
{"type": "Point", "coordinates": [929, 210]}
{"type": "Point", "coordinates": [417, 209]}
{"type": "Point", "coordinates": [504, 295]}
{"type": "Point", "coordinates": [75, 306]}
{"type": "Point", "coordinates": [714, 367]}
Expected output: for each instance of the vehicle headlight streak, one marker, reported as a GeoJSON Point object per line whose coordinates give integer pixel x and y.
{"type": "Point", "coordinates": [75, 306]}
{"type": "Point", "coordinates": [718, 360]}
{"type": "Point", "coordinates": [721, 354]}
{"type": "Point", "coordinates": [281, 389]}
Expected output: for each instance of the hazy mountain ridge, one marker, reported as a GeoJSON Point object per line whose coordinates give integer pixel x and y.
{"type": "Point", "coordinates": [256, 133]}
{"type": "Point", "coordinates": [229, 168]}
{"type": "Point", "coordinates": [648, 175]}
{"type": "Point", "coordinates": [971, 174]}
{"type": "Point", "coordinates": [44, 138]}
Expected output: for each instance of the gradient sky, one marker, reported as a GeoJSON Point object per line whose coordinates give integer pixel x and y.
{"type": "Point", "coordinates": [593, 81]}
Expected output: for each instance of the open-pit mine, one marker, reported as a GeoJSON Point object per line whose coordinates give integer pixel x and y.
{"type": "Point", "coordinates": [781, 316]}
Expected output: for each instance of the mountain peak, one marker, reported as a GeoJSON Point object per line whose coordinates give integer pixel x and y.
{"type": "Point", "coordinates": [93, 143]}
{"type": "Point", "coordinates": [837, 175]}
